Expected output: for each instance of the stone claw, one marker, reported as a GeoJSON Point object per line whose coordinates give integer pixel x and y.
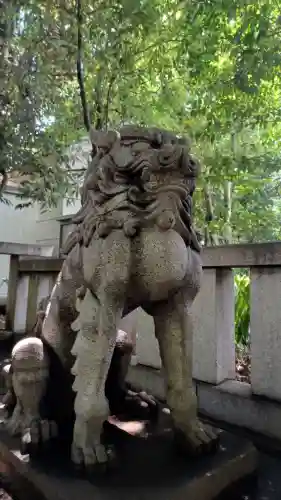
{"type": "Point", "coordinates": [90, 451]}
{"type": "Point", "coordinates": [97, 458]}
{"type": "Point", "coordinates": [37, 437]}
{"type": "Point", "coordinates": [196, 439]}
{"type": "Point", "coordinates": [140, 404]}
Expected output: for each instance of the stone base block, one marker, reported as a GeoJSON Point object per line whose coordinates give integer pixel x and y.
{"type": "Point", "coordinates": [149, 470]}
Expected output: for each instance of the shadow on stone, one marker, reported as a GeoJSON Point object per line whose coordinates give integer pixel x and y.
{"type": "Point", "coordinates": [148, 464]}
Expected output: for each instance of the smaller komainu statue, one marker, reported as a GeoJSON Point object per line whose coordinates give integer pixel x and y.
{"type": "Point", "coordinates": [133, 246]}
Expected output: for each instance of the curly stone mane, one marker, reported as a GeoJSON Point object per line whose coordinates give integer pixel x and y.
{"type": "Point", "coordinates": [128, 174]}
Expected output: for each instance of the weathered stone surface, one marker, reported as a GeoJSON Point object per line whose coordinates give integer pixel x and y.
{"type": "Point", "coordinates": [265, 325]}
{"type": "Point", "coordinates": [133, 246]}
{"type": "Point", "coordinates": [150, 471]}
{"type": "Point", "coordinates": [216, 298]}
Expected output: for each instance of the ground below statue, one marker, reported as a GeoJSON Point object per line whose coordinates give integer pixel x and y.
{"type": "Point", "coordinates": [148, 467]}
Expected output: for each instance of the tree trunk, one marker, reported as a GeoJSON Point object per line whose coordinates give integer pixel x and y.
{"type": "Point", "coordinates": [227, 232]}
{"type": "Point", "coordinates": [210, 237]}
{"type": "Point", "coordinates": [79, 66]}
{"type": "Point", "coordinates": [6, 26]}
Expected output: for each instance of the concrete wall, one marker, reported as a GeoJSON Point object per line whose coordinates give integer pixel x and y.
{"type": "Point", "coordinates": [48, 230]}
{"type": "Point", "coordinates": [27, 225]}
{"type": "Point", "coordinates": [31, 225]}
{"type": "Point", "coordinates": [18, 226]}
{"type": "Point", "coordinates": [47, 226]}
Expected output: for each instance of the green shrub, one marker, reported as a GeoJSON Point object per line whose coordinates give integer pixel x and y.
{"type": "Point", "coordinates": [242, 308]}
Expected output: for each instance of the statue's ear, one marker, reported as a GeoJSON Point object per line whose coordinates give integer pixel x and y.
{"type": "Point", "coordinates": [185, 141]}
{"type": "Point", "coordinates": [190, 166]}
{"type": "Point", "coordinates": [103, 139]}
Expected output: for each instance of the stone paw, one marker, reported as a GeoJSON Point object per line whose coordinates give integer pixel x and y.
{"type": "Point", "coordinates": [134, 405]}
{"type": "Point", "coordinates": [140, 405]}
{"type": "Point", "coordinates": [90, 451]}
{"type": "Point", "coordinates": [99, 457]}
{"type": "Point", "coordinates": [196, 439]}
{"type": "Point", "coordinates": [38, 436]}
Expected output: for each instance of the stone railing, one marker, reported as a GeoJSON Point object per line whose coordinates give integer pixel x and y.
{"type": "Point", "coordinates": [16, 251]}
{"type": "Point", "coordinates": [256, 405]}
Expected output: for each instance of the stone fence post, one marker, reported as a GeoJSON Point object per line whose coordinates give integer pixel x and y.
{"type": "Point", "coordinates": [213, 319]}
{"type": "Point", "coordinates": [265, 328]}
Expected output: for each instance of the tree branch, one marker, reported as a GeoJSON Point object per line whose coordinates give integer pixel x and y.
{"type": "Point", "coordinates": [210, 238]}
{"type": "Point", "coordinates": [98, 103]}
{"type": "Point", "coordinates": [106, 111]}
{"type": "Point", "coordinates": [79, 66]}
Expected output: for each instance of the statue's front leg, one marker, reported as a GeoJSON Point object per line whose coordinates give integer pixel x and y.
{"type": "Point", "coordinates": [173, 328]}
{"type": "Point", "coordinates": [98, 320]}
{"type": "Point", "coordinates": [93, 349]}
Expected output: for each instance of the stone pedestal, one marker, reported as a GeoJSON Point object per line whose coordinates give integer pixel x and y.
{"type": "Point", "coordinates": [150, 470]}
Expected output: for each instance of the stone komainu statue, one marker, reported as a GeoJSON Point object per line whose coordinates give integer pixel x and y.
{"type": "Point", "coordinates": [133, 245]}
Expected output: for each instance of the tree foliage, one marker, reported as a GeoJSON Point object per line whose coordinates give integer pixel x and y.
{"type": "Point", "coordinates": [242, 308]}
{"type": "Point", "coordinates": [208, 69]}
